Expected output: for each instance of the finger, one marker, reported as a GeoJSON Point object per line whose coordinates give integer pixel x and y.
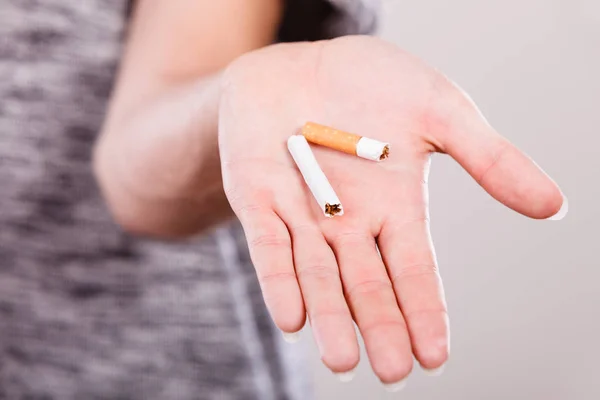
{"type": "Point", "coordinates": [408, 253]}
{"type": "Point", "coordinates": [271, 252]}
{"type": "Point", "coordinates": [498, 166]}
{"type": "Point", "coordinates": [370, 296]}
{"type": "Point", "coordinates": [330, 318]}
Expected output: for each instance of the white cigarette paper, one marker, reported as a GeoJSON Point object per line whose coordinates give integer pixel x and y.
{"type": "Point", "coordinates": [314, 176]}
{"type": "Point", "coordinates": [372, 149]}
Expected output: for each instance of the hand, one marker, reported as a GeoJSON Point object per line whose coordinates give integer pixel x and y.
{"type": "Point", "coordinates": [331, 268]}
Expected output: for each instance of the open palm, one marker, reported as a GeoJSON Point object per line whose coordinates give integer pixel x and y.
{"type": "Point", "coordinates": [331, 268]}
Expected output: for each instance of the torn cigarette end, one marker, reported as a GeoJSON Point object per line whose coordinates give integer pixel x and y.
{"type": "Point", "coordinates": [314, 176]}
{"type": "Point", "coordinates": [333, 209]}
{"type": "Point", "coordinates": [385, 154]}
{"type": "Point", "coordinates": [346, 142]}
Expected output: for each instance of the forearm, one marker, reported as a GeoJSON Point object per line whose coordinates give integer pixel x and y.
{"type": "Point", "coordinates": [159, 166]}
{"type": "Point", "coordinates": [157, 158]}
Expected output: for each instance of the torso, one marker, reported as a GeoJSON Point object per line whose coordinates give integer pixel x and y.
{"type": "Point", "coordinates": [86, 310]}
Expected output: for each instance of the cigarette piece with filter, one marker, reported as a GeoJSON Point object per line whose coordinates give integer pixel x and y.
{"type": "Point", "coordinates": [351, 143]}
{"type": "Point", "coordinates": [314, 177]}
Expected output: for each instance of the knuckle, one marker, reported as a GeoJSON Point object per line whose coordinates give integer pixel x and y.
{"type": "Point", "coordinates": [416, 271]}
{"type": "Point", "coordinates": [493, 161]}
{"type": "Point", "coordinates": [367, 287]}
{"type": "Point", "coordinates": [275, 277]}
{"type": "Point", "coordinates": [250, 209]}
{"type": "Point", "coordinates": [396, 226]}
{"type": "Point", "coordinates": [308, 229]}
{"type": "Point", "coordinates": [269, 240]}
{"type": "Point", "coordinates": [318, 271]}
{"type": "Point", "coordinates": [388, 323]}
{"type": "Point", "coordinates": [318, 280]}
{"type": "Point", "coordinates": [249, 200]}
{"type": "Point", "coordinates": [327, 311]}
{"type": "Point", "coordinates": [352, 238]}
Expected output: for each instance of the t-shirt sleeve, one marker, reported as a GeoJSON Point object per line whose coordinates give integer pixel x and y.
{"type": "Point", "coordinates": [308, 20]}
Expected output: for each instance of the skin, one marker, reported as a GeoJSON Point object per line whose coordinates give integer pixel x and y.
{"type": "Point", "coordinates": [328, 269]}
{"type": "Point", "coordinates": [157, 158]}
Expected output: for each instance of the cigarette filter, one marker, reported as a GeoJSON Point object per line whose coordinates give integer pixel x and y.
{"type": "Point", "coordinates": [350, 143]}
{"type": "Point", "coordinates": [314, 176]}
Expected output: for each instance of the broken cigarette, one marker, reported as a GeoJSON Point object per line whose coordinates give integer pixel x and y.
{"type": "Point", "coordinates": [314, 177]}
{"type": "Point", "coordinates": [351, 143]}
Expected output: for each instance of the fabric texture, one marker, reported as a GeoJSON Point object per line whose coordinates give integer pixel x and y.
{"type": "Point", "coordinates": [86, 310]}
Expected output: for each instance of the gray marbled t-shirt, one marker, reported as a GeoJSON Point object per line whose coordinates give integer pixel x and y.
{"type": "Point", "coordinates": [86, 310]}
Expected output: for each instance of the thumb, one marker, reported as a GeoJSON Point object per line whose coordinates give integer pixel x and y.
{"type": "Point", "coordinates": [505, 172]}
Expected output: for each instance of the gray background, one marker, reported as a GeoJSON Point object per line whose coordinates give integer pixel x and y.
{"type": "Point", "coordinates": [523, 295]}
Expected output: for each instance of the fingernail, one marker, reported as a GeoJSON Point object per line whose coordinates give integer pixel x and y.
{"type": "Point", "coordinates": [291, 337]}
{"type": "Point", "coordinates": [346, 376]}
{"type": "Point", "coordinates": [395, 387]}
{"type": "Point", "coordinates": [562, 212]}
{"type": "Point", "coordinates": [435, 371]}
